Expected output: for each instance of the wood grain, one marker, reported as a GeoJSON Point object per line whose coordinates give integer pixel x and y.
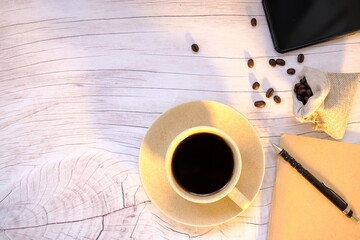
{"type": "Point", "coordinates": [82, 81]}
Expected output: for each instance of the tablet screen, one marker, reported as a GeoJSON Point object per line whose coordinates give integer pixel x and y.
{"type": "Point", "coordinates": [297, 23]}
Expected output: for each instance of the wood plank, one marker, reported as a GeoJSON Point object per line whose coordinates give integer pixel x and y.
{"type": "Point", "coordinates": [81, 82]}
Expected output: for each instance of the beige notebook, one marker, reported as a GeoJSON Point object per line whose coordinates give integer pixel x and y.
{"type": "Point", "coordinates": [299, 210]}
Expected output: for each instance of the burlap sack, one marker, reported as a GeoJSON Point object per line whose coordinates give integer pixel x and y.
{"type": "Point", "coordinates": [330, 106]}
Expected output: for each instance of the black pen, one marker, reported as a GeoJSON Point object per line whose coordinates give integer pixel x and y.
{"type": "Point", "coordinates": [327, 192]}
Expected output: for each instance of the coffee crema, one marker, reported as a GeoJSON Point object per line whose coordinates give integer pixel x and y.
{"type": "Point", "coordinates": [203, 164]}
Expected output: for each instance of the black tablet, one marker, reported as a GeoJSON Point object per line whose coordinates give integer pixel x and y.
{"type": "Point", "coordinates": [298, 23]}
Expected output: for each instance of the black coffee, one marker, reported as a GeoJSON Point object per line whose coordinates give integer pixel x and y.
{"type": "Point", "coordinates": [203, 164]}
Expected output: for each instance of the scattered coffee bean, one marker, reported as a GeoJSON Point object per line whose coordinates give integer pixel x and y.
{"type": "Point", "coordinates": [195, 47]}
{"type": "Point", "coordinates": [277, 99]}
{"type": "Point", "coordinates": [253, 22]}
{"type": "Point", "coordinates": [300, 58]}
{"type": "Point", "coordinates": [256, 86]}
{"type": "Point", "coordinates": [306, 98]}
{"type": "Point", "coordinates": [250, 63]}
{"type": "Point", "coordinates": [272, 62]}
{"type": "Point", "coordinates": [303, 80]}
{"type": "Point", "coordinates": [291, 71]}
{"type": "Point", "coordinates": [280, 62]}
{"type": "Point", "coordinates": [260, 104]}
{"type": "Point", "coordinates": [269, 92]}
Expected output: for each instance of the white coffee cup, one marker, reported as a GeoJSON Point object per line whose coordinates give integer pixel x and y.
{"type": "Point", "coordinates": [229, 189]}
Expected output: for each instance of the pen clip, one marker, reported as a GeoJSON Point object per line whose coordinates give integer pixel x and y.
{"type": "Point", "coordinates": [337, 195]}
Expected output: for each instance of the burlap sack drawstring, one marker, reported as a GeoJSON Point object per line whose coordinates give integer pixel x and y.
{"type": "Point", "coordinates": [329, 107]}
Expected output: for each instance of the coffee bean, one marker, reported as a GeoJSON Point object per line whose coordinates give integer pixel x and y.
{"type": "Point", "coordinates": [250, 63]}
{"type": "Point", "coordinates": [300, 58]}
{"type": "Point", "coordinates": [299, 97]}
{"type": "Point", "coordinates": [291, 71]}
{"type": "Point", "coordinates": [272, 62]}
{"type": "Point", "coordinates": [256, 86]}
{"type": "Point", "coordinates": [302, 86]}
{"type": "Point", "coordinates": [296, 87]}
{"type": "Point", "coordinates": [253, 22]}
{"type": "Point", "coordinates": [309, 92]}
{"type": "Point", "coordinates": [195, 47]}
{"type": "Point", "coordinates": [301, 91]}
{"type": "Point", "coordinates": [280, 62]}
{"type": "Point", "coordinates": [269, 92]}
{"type": "Point", "coordinates": [260, 104]}
{"type": "Point", "coordinates": [277, 99]}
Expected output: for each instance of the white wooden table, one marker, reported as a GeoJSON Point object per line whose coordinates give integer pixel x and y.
{"type": "Point", "coordinates": [82, 81]}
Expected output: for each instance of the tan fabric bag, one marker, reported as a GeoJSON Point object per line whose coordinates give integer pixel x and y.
{"type": "Point", "coordinates": [330, 106]}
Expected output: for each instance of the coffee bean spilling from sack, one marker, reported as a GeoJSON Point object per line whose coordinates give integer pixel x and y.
{"type": "Point", "coordinates": [303, 91]}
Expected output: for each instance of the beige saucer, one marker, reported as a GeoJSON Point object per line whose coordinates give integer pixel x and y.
{"type": "Point", "coordinates": [166, 128]}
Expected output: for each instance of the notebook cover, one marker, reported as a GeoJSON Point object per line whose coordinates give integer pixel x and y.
{"type": "Point", "coordinates": [299, 210]}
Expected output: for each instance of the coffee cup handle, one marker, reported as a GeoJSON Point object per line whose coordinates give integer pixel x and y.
{"type": "Point", "coordinates": [239, 198]}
